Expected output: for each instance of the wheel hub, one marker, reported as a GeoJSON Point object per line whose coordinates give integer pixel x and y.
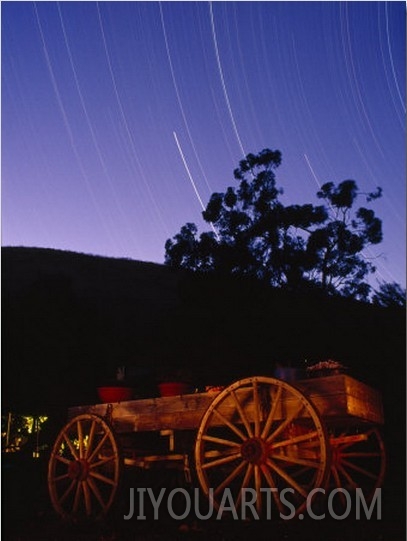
{"type": "Point", "coordinates": [254, 450]}
{"type": "Point", "coordinates": [78, 469]}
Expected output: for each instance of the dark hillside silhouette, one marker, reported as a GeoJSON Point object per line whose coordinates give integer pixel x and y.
{"type": "Point", "coordinates": [70, 319]}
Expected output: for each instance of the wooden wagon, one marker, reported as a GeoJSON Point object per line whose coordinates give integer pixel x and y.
{"type": "Point", "coordinates": [259, 433]}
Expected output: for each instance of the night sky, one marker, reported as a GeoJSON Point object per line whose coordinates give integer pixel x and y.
{"type": "Point", "coordinates": [119, 119]}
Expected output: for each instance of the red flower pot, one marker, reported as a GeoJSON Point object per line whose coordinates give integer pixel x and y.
{"type": "Point", "coordinates": [173, 388]}
{"type": "Point", "coordinates": [115, 394]}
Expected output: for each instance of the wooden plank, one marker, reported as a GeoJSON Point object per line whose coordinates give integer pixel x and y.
{"type": "Point", "coordinates": [343, 396]}
{"type": "Point", "coordinates": [173, 412]}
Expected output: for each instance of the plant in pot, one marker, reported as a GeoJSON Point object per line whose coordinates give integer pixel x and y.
{"type": "Point", "coordinates": [325, 368]}
{"type": "Point", "coordinates": [174, 382]}
{"type": "Point", "coordinates": [116, 390]}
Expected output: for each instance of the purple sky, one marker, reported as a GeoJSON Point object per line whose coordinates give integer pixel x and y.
{"type": "Point", "coordinates": [120, 118]}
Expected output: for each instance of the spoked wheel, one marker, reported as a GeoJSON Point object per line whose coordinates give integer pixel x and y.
{"type": "Point", "coordinates": [84, 469]}
{"type": "Point", "coordinates": [261, 440]}
{"type": "Point", "coordinates": [358, 461]}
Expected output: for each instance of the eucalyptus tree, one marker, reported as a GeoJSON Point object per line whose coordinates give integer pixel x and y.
{"type": "Point", "coordinates": [299, 246]}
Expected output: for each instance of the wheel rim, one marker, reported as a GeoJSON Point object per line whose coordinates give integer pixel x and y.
{"type": "Point", "coordinates": [84, 469]}
{"type": "Point", "coordinates": [358, 461]}
{"type": "Point", "coordinates": [258, 434]}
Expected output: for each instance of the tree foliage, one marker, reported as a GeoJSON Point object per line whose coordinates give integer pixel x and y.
{"type": "Point", "coordinates": [297, 246]}
{"type": "Point", "coordinates": [390, 295]}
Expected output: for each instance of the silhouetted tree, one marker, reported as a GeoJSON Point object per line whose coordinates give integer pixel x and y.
{"type": "Point", "coordinates": [390, 295]}
{"type": "Point", "coordinates": [337, 246]}
{"type": "Point", "coordinates": [294, 246]}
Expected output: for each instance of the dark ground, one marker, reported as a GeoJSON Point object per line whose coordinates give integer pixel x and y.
{"type": "Point", "coordinates": [27, 516]}
{"type": "Point", "coordinates": [70, 320]}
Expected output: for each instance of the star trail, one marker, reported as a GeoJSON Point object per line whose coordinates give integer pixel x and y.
{"type": "Point", "coordinates": [119, 119]}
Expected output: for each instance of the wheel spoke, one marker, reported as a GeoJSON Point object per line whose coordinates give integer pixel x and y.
{"type": "Point", "coordinates": [338, 484]}
{"type": "Point", "coordinates": [295, 460]}
{"type": "Point", "coordinates": [287, 478]}
{"type": "Point", "coordinates": [102, 461]}
{"type": "Point", "coordinates": [257, 485]}
{"type": "Point", "coordinates": [97, 494]}
{"type": "Point", "coordinates": [349, 479]}
{"type": "Point", "coordinates": [102, 478]}
{"type": "Point", "coordinates": [68, 491]}
{"type": "Point", "coordinates": [90, 440]}
{"type": "Point", "coordinates": [230, 478]}
{"type": "Point", "coordinates": [98, 447]}
{"type": "Point", "coordinates": [256, 405]}
{"type": "Point", "coordinates": [285, 423]}
{"type": "Point", "coordinates": [245, 483]}
{"type": "Point", "coordinates": [242, 414]}
{"type": "Point", "coordinates": [336, 477]}
{"type": "Point", "coordinates": [349, 440]}
{"type": "Point", "coordinates": [61, 477]}
{"type": "Point", "coordinates": [232, 427]}
{"type": "Point", "coordinates": [217, 454]}
{"type": "Point", "coordinates": [80, 438]}
{"type": "Point", "coordinates": [221, 441]}
{"type": "Point", "coordinates": [358, 469]}
{"type": "Point", "coordinates": [71, 447]}
{"type": "Point", "coordinates": [62, 459]}
{"type": "Point", "coordinates": [296, 439]}
{"type": "Point", "coordinates": [86, 493]}
{"type": "Point", "coordinates": [360, 455]}
{"type": "Point", "coordinates": [270, 417]}
{"type": "Point", "coordinates": [77, 497]}
{"type": "Point", "coordinates": [267, 474]}
{"type": "Point", "coordinates": [221, 461]}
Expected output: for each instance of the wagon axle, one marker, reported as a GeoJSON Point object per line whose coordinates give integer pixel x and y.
{"type": "Point", "coordinates": [254, 450]}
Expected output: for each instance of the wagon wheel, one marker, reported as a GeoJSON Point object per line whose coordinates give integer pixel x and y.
{"type": "Point", "coordinates": [259, 434]}
{"type": "Point", "coordinates": [358, 461]}
{"type": "Point", "coordinates": [84, 469]}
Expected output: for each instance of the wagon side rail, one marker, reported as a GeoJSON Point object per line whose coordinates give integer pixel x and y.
{"type": "Point", "coordinates": [337, 398]}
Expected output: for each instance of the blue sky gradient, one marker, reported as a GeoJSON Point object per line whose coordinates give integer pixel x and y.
{"type": "Point", "coordinates": [119, 119]}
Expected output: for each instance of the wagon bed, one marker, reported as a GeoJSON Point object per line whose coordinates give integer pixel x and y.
{"type": "Point", "coordinates": [259, 433]}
